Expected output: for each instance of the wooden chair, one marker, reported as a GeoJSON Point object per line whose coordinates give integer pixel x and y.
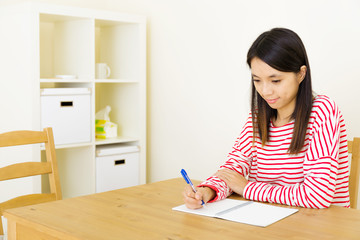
{"type": "Point", "coordinates": [354, 149]}
{"type": "Point", "coordinates": [26, 169]}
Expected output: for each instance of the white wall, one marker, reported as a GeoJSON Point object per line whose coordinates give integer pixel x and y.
{"type": "Point", "coordinates": [198, 81]}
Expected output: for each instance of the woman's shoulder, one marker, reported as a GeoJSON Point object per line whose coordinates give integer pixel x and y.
{"type": "Point", "coordinates": [325, 110]}
{"type": "Point", "coordinates": [324, 104]}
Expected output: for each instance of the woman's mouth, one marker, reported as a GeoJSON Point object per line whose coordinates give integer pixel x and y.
{"type": "Point", "coordinates": [271, 101]}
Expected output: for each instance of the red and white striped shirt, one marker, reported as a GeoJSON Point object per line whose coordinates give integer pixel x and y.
{"type": "Point", "coordinates": [315, 178]}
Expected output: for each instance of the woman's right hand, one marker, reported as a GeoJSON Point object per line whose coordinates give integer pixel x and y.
{"type": "Point", "coordinates": [193, 200]}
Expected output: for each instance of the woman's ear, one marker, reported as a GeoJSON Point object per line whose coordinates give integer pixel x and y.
{"type": "Point", "coordinates": [302, 73]}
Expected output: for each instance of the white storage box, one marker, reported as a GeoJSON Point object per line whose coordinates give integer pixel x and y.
{"type": "Point", "coordinates": [68, 112]}
{"type": "Point", "coordinates": [117, 166]}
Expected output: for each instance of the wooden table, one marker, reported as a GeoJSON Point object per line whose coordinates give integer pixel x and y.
{"type": "Point", "coordinates": [145, 212]}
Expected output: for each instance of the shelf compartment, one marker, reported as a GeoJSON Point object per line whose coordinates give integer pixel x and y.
{"type": "Point", "coordinates": [75, 170]}
{"type": "Point", "coordinates": [124, 100]}
{"type": "Point", "coordinates": [66, 46]}
{"type": "Point", "coordinates": [117, 44]}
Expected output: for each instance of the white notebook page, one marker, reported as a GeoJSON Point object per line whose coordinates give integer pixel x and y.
{"type": "Point", "coordinates": [247, 212]}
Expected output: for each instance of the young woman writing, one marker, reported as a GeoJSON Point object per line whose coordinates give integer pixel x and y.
{"type": "Point", "coordinates": [293, 147]}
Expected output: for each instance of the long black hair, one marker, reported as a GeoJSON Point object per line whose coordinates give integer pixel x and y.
{"type": "Point", "coordinates": [283, 50]}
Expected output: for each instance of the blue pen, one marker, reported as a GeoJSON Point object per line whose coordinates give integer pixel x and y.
{"type": "Point", "coordinates": [188, 181]}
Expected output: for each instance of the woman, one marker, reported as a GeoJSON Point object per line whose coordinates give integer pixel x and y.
{"type": "Point", "coordinates": [293, 147]}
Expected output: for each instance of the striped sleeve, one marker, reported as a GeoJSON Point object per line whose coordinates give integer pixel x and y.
{"type": "Point", "coordinates": [238, 160]}
{"type": "Point", "coordinates": [322, 166]}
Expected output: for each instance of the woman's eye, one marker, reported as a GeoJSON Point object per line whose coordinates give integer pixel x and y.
{"type": "Point", "coordinates": [276, 81]}
{"type": "Point", "coordinates": [256, 80]}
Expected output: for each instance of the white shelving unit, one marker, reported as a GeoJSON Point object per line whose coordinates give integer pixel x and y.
{"type": "Point", "coordinates": [52, 40]}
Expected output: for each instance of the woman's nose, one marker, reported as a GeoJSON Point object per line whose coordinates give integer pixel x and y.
{"type": "Point", "coordinates": [266, 89]}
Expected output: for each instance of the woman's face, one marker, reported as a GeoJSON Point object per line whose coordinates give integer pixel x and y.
{"type": "Point", "coordinates": [278, 89]}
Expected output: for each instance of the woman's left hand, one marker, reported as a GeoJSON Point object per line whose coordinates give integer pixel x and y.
{"type": "Point", "coordinates": [234, 180]}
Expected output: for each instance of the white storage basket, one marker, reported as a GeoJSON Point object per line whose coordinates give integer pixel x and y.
{"type": "Point", "coordinates": [68, 112]}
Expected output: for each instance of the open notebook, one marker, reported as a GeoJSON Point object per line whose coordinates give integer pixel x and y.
{"type": "Point", "coordinates": [248, 212]}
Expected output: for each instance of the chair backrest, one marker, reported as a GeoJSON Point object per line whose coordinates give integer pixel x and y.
{"type": "Point", "coordinates": [26, 169]}
{"type": "Point", "coordinates": [354, 149]}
